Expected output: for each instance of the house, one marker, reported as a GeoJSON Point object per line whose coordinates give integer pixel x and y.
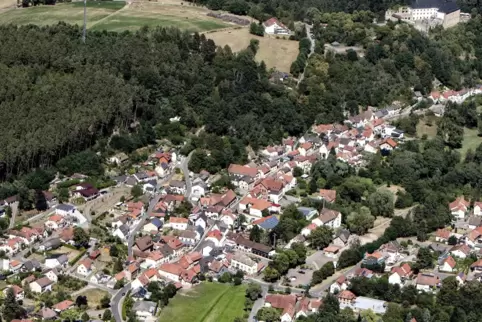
{"type": "Point", "coordinates": [461, 277]}
{"type": "Point", "coordinates": [388, 145]}
{"type": "Point", "coordinates": [198, 189]}
{"type": "Point", "coordinates": [286, 303]}
{"type": "Point", "coordinates": [144, 244]}
{"type": "Point", "coordinates": [63, 306]}
{"type": "Point", "coordinates": [339, 285]}
{"type": "Point", "coordinates": [85, 267]}
{"type": "Point", "coordinates": [243, 263]}
{"type": "Point", "coordinates": [459, 207]}
{"type": "Point", "coordinates": [399, 274]}
{"type": "Point", "coordinates": [15, 266]}
{"type": "Point", "coordinates": [144, 309]}
{"type": "Point", "coordinates": [41, 285]}
{"type": "Point", "coordinates": [341, 238]}
{"type": "Point", "coordinates": [52, 275]}
{"type": "Point", "coordinates": [447, 265]}
{"type": "Point", "coordinates": [442, 235]}
{"type": "Point", "coordinates": [170, 271]}
{"type": "Point", "coordinates": [427, 282]}
{"type": "Point", "coordinates": [253, 207]}
{"type": "Point", "coordinates": [477, 266]}
{"type": "Point", "coordinates": [242, 176]}
{"type": "Point", "coordinates": [346, 297]}
{"type": "Point", "coordinates": [460, 251]}
{"type": "Point", "coordinates": [122, 232]}
{"type": "Point", "coordinates": [375, 258]}
{"type": "Point", "coordinates": [54, 222]}
{"type": "Point", "coordinates": [118, 159]}
{"type": "Point", "coordinates": [331, 251]}
{"type": "Point", "coordinates": [177, 223]}
{"type": "Point", "coordinates": [4, 264]}
{"type": "Point", "coordinates": [328, 195]}
{"type": "Point", "coordinates": [99, 278]}
{"type": "Point", "coordinates": [46, 314]}
{"type": "Point", "coordinates": [328, 217]}
{"type": "Point", "coordinates": [64, 209]}
{"type": "Point", "coordinates": [266, 223]}
{"type": "Point", "coordinates": [188, 237]}
{"type": "Point", "coordinates": [308, 212]}
{"type": "Point", "coordinates": [50, 244]}
{"type": "Point", "coordinates": [201, 221]}
{"type": "Point", "coordinates": [17, 292]}
{"type": "Point", "coordinates": [475, 221]}
{"type": "Point", "coordinates": [274, 27]}
{"type": "Point", "coordinates": [56, 260]}
{"type": "Point", "coordinates": [361, 303]}
{"type": "Point", "coordinates": [478, 208]}
{"type": "Point", "coordinates": [177, 187]}
{"type": "Point", "coordinates": [249, 246]}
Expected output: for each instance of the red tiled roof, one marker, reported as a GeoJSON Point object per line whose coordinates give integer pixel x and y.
{"type": "Point", "coordinates": [242, 170]}
{"type": "Point", "coordinates": [442, 233]}
{"type": "Point", "coordinates": [328, 195]}
{"type": "Point", "coordinates": [426, 279]}
{"type": "Point", "coordinates": [450, 261]}
{"type": "Point", "coordinates": [178, 220]}
{"type": "Point", "coordinates": [390, 142]}
{"type": "Point", "coordinates": [64, 305]}
{"type": "Point", "coordinates": [281, 301]}
{"type": "Point", "coordinates": [347, 295]}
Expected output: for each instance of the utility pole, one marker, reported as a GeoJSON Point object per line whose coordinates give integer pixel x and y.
{"type": "Point", "coordinates": [85, 21]}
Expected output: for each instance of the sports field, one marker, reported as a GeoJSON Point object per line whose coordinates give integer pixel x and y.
{"type": "Point", "coordinates": [117, 15]}
{"type": "Point", "coordinates": [276, 53]}
{"type": "Point", "coordinates": [208, 302]}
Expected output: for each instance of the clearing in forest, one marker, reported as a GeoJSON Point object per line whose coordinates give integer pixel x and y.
{"type": "Point", "coordinates": [276, 53]}
{"type": "Point", "coordinates": [208, 302]}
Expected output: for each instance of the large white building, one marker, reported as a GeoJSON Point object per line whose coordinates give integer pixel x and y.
{"type": "Point", "coordinates": [274, 27]}
{"type": "Point", "coordinates": [444, 12]}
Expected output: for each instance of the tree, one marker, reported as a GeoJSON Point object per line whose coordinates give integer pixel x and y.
{"type": "Point", "coordinates": [225, 278]}
{"type": "Point", "coordinates": [105, 301]}
{"type": "Point", "coordinates": [63, 195]}
{"type": "Point", "coordinates": [268, 314]}
{"type": "Point", "coordinates": [321, 237]}
{"type": "Point", "coordinates": [137, 191]}
{"type": "Point", "coordinates": [81, 301]}
{"type": "Point", "coordinates": [8, 212]}
{"type": "Point", "coordinates": [237, 281]}
{"type": "Point", "coordinates": [80, 237]}
{"type": "Point", "coordinates": [118, 267]}
{"type": "Point", "coordinates": [360, 222]}
{"type": "Point", "coordinates": [381, 203]}
{"type": "Point", "coordinates": [254, 291]}
{"type": "Point", "coordinates": [271, 274]}
{"type": "Point", "coordinates": [11, 309]}
{"type": "Point", "coordinates": [300, 250]}
{"type": "Point", "coordinates": [40, 201]}
{"type": "Point", "coordinates": [452, 240]}
{"type": "Point", "coordinates": [256, 29]}
{"type": "Point", "coordinates": [297, 172]}
{"type": "Point", "coordinates": [113, 251]}
{"type": "Point", "coordinates": [424, 258]}
{"type": "Point", "coordinates": [85, 317]}
{"type": "Point", "coordinates": [107, 315]}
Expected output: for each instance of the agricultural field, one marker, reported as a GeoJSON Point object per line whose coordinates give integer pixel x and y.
{"type": "Point", "coordinates": [117, 15]}
{"type": "Point", "coordinates": [208, 302]}
{"type": "Point", "coordinates": [276, 53]}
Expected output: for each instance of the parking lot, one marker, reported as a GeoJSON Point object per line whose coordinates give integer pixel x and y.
{"type": "Point", "coordinates": [318, 259]}
{"type": "Point", "coordinates": [298, 276]}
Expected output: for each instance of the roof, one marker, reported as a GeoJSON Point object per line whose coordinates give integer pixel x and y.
{"type": "Point", "coordinates": [427, 279]}
{"type": "Point", "coordinates": [390, 142]}
{"type": "Point", "coordinates": [267, 222]}
{"type": "Point", "coordinates": [44, 281]}
{"type": "Point", "coordinates": [343, 234]}
{"type": "Point", "coordinates": [145, 306]}
{"type": "Point", "coordinates": [47, 313]}
{"type": "Point", "coordinates": [244, 259]}
{"type": "Point", "coordinates": [174, 269]}
{"type": "Point", "coordinates": [273, 21]}
{"type": "Point", "coordinates": [65, 207]}
{"type": "Point", "coordinates": [477, 264]}
{"type": "Point", "coordinates": [242, 170]}
{"type": "Point", "coordinates": [178, 220]}
{"type": "Point", "coordinates": [259, 204]}
{"type": "Point", "coordinates": [281, 301]}
{"type": "Point", "coordinates": [347, 295]}
{"type": "Point", "coordinates": [442, 233]}
{"type": "Point", "coordinates": [144, 243]}
{"type": "Point", "coordinates": [87, 262]}
{"type": "Point", "coordinates": [328, 215]}
{"type": "Point", "coordinates": [463, 248]}
{"type": "Point", "coordinates": [331, 249]}
{"type": "Point", "coordinates": [328, 195]}
{"type": "Point", "coordinates": [445, 6]}
{"type": "Point", "coordinates": [450, 261]}
{"type": "Point", "coordinates": [459, 204]}
{"type": "Point", "coordinates": [189, 234]}
{"type": "Point", "coordinates": [250, 244]}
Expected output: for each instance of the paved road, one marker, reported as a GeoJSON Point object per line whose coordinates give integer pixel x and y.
{"type": "Point", "coordinates": [312, 50]}
{"type": "Point", "coordinates": [116, 302]}
{"type": "Point", "coordinates": [14, 208]}
{"type": "Point", "coordinates": [258, 304]}
{"type": "Point", "coordinates": [184, 166]}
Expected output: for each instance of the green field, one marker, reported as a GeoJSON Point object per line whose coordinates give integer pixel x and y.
{"type": "Point", "coordinates": [117, 16]}
{"type": "Point", "coordinates": [471, 140]}
{"type": "Point", "coordinates": [208, 302]}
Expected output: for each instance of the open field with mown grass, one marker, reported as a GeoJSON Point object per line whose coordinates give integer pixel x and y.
{"type": "Point", "coordinates": [208, 302]}
{"type": "Point", "coordinates": [276, 53]}
{"type": "Point", "coordinates": [117, 15]}
{"type": "Point", "coordinates": [471, 140]}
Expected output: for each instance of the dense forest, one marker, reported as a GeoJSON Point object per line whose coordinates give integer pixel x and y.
{"type": "Point", "coordinates": [59, 96]}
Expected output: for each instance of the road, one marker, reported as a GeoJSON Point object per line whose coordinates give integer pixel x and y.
{"type": "Point", "coordinates": [312, 50]}
{"type": "Point", "coordinates": [14, 207]}
{"type": "Point", "coordinates": [184, 166]}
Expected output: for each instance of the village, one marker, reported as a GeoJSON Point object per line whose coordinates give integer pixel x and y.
{"type": "Point", "coordinates": [165, 225]}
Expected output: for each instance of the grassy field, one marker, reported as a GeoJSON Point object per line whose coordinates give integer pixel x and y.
{"type": "Point", "coordinates": [427, 125]}
{"type": "Point", "coordinates": [471, 140]}
{"type": "Point", "coordinates": [209, 302]}
{"type": "Point", "coordinates": [94, 296]}
{"type": "Point", "coordinates": [276, 53]}
{"type": "Point", "coordinates": [71, 253]}
{"type": "Point", "coordinates": [117, 16]}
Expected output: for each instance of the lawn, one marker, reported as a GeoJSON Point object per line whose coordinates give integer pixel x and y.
{"type": "Point", "coordinates": [71, 13]}
{"type": "Point", "coordinates": [471, 140]}
{"type": "Point", "coordinates": [94, 296]}
{"type": "Point", "coordinates": [208, 302]}
{"type": "Point", "coordinates": [276, 53]}
{"type": "Point", "coordinates": [427, 125]}
{"type": "Point", "coordinates": [117, 16]}
{"type": "Point", "coordinates": [70, 252]}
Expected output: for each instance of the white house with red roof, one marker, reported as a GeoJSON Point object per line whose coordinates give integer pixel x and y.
{"type": "Point", "coordinates": [477, 208]}
{"type": "Point", "coordinates": [459, 207]}
{"type": "Point", "coordinates": [448, 265]}
{"type": "Point", "coordinates": [85, 267]}
{"type": "Point", "coordinates": [339, 285]}
{"type": "Point", "coordinates": [274, 27]}
{"type": "Point", "coordinates": [400, 274]}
